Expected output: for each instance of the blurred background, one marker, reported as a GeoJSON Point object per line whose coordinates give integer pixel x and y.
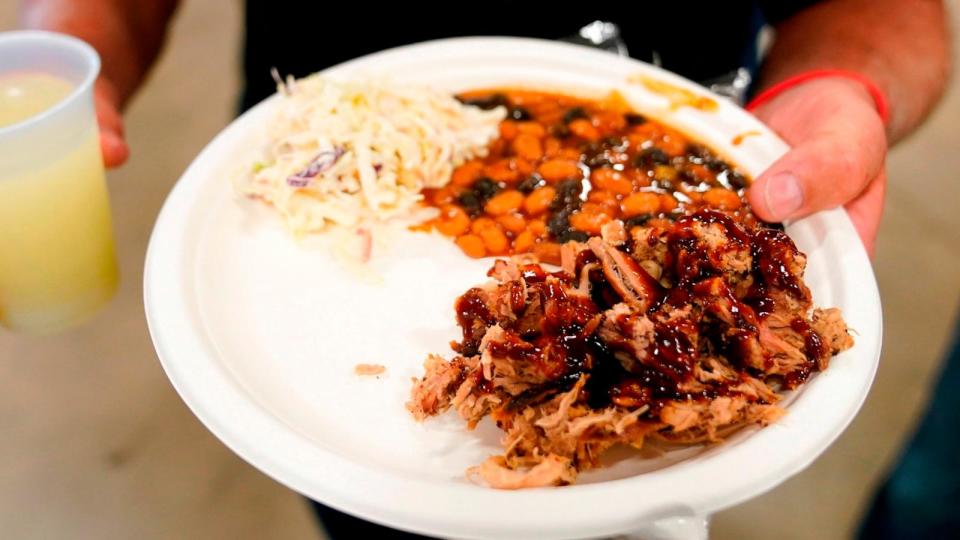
{"type": "Point", "coordinates": [95, 443]}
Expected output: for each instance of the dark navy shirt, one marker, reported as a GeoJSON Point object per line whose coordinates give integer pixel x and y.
{"type": "Point", "coordinates": [701, 40]}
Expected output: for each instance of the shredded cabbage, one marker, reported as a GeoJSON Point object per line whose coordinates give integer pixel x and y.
{"type": "Point", "coordinates": [348, 153]}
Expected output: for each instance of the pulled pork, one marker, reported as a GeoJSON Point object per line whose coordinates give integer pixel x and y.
{"type": "Point", "coordinates": [678, 331]}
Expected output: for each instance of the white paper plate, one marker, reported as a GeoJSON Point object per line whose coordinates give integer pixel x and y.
{"type": "Point", "coordinates": [260, 334]}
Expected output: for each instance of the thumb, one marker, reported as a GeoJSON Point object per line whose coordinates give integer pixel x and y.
{"type": "Point", "coordinates": [820, 173]}
{"type": "Point", "coordinates": [112, 142]}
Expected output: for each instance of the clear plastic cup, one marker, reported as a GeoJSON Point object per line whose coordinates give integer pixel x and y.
{"type": "Point", "coordinates": [57, 261]}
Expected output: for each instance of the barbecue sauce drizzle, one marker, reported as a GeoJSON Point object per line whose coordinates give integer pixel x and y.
{"type": "Point", "coordinates": [568, 346]}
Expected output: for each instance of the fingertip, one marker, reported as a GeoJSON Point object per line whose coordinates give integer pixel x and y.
{"type": "Point", "coordinates": [783, 195]}
{"type": "Point", "coordinates": [758, 202]}
{"type": "Point", "coordinates": [755, 198]}
{"type": "Point", "coordinates": [805, 180]}
{"type": "Point", "coordinates": [115, 150]}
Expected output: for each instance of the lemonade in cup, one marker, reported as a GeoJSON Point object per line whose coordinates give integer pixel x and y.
{"type": "Point", "coordinates": [57, 262]}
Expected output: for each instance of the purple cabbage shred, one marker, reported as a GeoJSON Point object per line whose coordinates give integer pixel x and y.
{"type": "Point", "coordinates": [320, 163]}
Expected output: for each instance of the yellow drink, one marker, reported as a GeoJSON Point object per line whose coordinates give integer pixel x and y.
{"type": "Point", "coordinates": [57, 263]}
{"type": "Point", "coordinates": [23, 95]}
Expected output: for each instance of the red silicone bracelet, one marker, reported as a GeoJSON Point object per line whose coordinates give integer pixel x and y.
{"type": "Point", "coordinates": [879, 99]}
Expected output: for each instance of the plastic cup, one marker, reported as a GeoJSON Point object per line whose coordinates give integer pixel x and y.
{"type": "Point", "coordinates": [57, 261]}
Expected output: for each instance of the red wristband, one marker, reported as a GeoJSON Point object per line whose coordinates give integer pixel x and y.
{"type": "Point", "coordinates": [879, 99]}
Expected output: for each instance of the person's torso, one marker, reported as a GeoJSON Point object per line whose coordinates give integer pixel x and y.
{"type": "Point", "coordinates": [700, 40]}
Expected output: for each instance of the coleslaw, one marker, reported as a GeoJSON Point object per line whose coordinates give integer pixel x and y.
{"type": "Point", "coordinates": [353, 152]}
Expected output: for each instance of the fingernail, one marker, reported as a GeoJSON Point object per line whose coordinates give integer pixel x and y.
{"type": "Point", "coordinates": [783, 195]}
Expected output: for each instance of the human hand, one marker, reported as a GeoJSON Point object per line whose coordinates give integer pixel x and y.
{"type": "Point", "coordinates": [839, 146]}
{"type": "Point", "coordinates": [112, 144]}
